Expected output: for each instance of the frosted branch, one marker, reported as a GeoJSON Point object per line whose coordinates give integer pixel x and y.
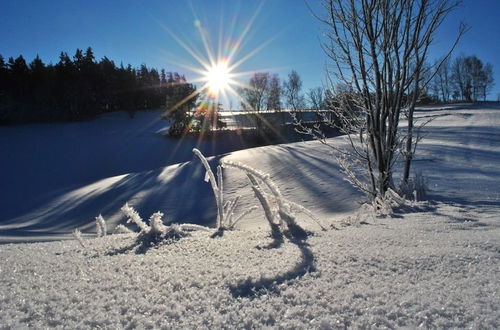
{"type": "Point", "coordinates": [134, 217]}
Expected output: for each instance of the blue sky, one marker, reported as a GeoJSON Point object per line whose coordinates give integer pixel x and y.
{"type": "Point", "coordinates": [135, 32]}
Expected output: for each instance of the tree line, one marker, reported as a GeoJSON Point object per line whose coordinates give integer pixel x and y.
{"type": "Point", "coordinates": [466, 78]}
{"type": "Point", "coordinates": [79, 87]}
{"type": "Point", "coordinates": [265, 91]}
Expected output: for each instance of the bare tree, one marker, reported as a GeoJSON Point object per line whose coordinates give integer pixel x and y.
{"type": "Point", "coordinates": [471, 79]}
{"type": "Point", "coordinates": [316, 98]}
{"type": "Point", "coordinates": [459, 79]}
{"type": "Point", "coordinates": [377, 50]}
{"type": "Point", "coordinates": [274, 93]}
{"type": "Point", "coordinates": [254, 97]}
{"type": "Point", "coordinates": [442, 80]}
{"type": "Point", "coordinates": [292, 91]}
{"type": "Point", "coordinates": [481, 77]}
{"type": "Point", "coordinates": [487, 80]}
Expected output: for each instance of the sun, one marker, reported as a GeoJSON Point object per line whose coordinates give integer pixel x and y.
{"type": "Point", "coordinates": [218, 77]}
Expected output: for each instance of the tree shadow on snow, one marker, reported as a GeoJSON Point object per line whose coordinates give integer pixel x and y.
{"type": "Point", "coordinates": [317, 173]}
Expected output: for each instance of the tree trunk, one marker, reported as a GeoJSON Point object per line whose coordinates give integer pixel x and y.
{"type": "Point", "coordinates": [409, 143]}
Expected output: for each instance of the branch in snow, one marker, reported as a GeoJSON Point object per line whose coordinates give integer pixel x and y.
{"type": "Point", "coordinates": [263, 199]}
{"type": "Point", "coordinates": [284, 210]}
{"type": "Point", "coordinates": [300, 208]}
{"type": "Point", "coordinates": [384, 205]}
{"type": "Point", "coordinates": [229, 208]}
{"type": "Point", "coordinates": [232, 224]}
{"type": "Point", "coordinates": [216, 189]}
{"type": "Point", "coordinates": [225, 210]}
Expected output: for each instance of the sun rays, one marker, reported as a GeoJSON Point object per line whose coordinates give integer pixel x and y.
{"type": "Point", "coordinates": [217, 64]}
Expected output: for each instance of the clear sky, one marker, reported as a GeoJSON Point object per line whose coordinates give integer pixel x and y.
{"type": "Point", "coordinates": [135, 32]}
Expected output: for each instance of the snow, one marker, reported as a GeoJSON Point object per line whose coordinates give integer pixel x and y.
{"type": "Point", "coordinates": [423, 270]}
{"type": "Point", "coordinates": [434, 265]}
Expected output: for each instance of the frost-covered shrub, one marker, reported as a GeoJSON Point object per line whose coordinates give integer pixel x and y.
{"type": "Point", "coordinates": [408, 195]}
{"type": "Point", "coordinates": [157, 231]}
{"type": "Point", "coordinates": [415, 189]}
{"type": "Point", "coordinates": [156, 225]}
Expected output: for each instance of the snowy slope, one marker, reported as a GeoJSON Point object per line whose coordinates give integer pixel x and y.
{"type": "Point", "coordinates": [433, 266]}
{"type": "Point", "coordinates": [460, 153]}
{"type": "Point", "coordinates": [61, 176]}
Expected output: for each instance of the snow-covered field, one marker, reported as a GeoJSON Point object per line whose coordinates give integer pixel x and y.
{"type": "Point", "coordinates": [434, 265]}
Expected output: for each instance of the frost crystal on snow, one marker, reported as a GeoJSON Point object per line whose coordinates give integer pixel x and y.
{"type": "Point", "coordinates": [121, 229]}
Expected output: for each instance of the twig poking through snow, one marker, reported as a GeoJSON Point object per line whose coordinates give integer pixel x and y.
{"type": "Point", "coordinates": [232, 223]}
{"type": "Point", "coordinates": [300, 208]}
{"type": "Point", "coordinates": [156, 232]}
{"type": "Point", "coordinates": [100, 226]}
{"type": "Point", "coordinates": [156, 224]}
{"type": "Point", "coordinates": [78, 236]}
{"type": "Point", "coordinates": [261, 196]}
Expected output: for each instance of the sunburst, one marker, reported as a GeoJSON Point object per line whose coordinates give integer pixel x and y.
{"type": "Point", "coordinates": [217, 71]}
